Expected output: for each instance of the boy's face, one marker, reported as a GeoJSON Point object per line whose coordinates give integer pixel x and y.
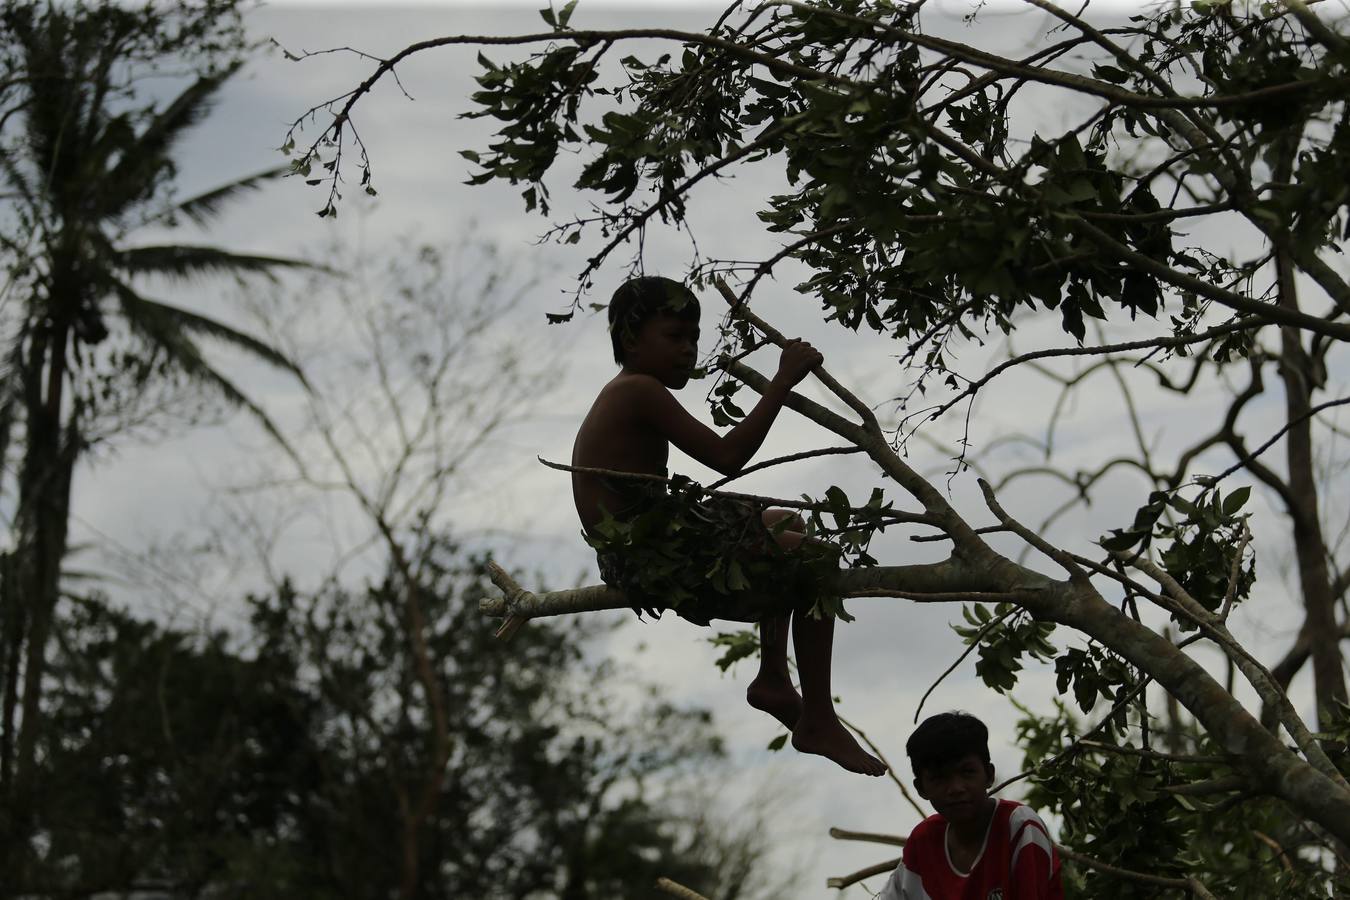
{"type": "Point", "coordinates": [665, 347]}
{"type": "Point", "coordinates": [958, 789]}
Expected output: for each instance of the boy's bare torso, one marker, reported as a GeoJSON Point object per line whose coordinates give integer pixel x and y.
{"type": "Point", "coordinates": [614, 435]}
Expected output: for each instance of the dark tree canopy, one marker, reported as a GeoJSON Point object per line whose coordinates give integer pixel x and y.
{"type": "Point", "coordinates": [926, 206]}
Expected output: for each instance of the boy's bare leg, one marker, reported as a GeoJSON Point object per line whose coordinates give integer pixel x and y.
{"type": "Point", "coordinates": [819, 729]}
{"type": "Point", "coordinates": [772, 689]}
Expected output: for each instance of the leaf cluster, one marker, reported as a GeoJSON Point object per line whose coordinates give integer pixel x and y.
{"type": "Point", "coordinates": [1130, 803]}
{"type": "Point", "coordinates": [1204, 535]}
{"type": "Point", "coordinates": [1004, 635]}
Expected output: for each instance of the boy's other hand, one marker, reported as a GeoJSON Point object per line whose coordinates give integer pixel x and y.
{"type": "Point", "coordinates": [797, 361]}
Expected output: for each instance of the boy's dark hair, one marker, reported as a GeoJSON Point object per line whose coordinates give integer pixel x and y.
{"type": "Point", "coordinates": [638, 299]}
{"type": "Point", "coordinates": [944, 738]}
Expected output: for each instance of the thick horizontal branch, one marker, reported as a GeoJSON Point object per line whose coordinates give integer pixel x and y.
{"type": "Point", "coordinates": [934, 582]}
{"type": "Point", "coordinates": [841, 834]}
{"type": "Point", "coordinates": [842, 881]}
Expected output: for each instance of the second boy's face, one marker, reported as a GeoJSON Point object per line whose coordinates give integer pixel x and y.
{"type": "Point", "coordinates": [958, 789]}
{"type": "Point", "coordinates": [666, 348]}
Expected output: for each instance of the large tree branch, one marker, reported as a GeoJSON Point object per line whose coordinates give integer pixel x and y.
{"type": "Point", "coordinates": [1078, 83]}
{"type": "Point", "coordinates": [1232, 299]}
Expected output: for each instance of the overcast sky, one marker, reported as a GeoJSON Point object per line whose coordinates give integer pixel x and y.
{"type": "Point", "coordinates": [167, 496]}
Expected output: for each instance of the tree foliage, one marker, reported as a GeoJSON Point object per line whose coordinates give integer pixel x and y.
{"type": "Point", "coordinates": [926, 206]}
{"type": "Point", "coordinates": [281, 761]}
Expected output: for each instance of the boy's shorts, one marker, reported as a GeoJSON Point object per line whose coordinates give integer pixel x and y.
{"type": "Point", "coordinates": [705, 557]}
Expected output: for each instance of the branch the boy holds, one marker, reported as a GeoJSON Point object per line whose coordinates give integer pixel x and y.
{"type": "Point", "coordinates": [709, 556]}
{"type": "Point", "coordinates": [975, 847]}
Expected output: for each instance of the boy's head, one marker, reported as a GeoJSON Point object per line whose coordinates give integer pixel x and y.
{"type": "Point", "coordinates": [949, 753]}
{"type": "Point", "coordinates": [639, 301]}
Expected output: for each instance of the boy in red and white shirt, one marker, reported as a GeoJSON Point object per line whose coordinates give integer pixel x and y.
{"type": "Point", "coordinates": [976, 847]}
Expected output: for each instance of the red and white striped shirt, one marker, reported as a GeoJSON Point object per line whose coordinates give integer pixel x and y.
{"type": "Point", "coordinates": [1018, 862]}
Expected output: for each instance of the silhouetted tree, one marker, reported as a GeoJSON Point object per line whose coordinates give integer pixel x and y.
{"type": "Point", "coordinates": [87, 158]}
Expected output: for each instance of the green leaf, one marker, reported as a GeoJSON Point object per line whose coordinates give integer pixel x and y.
{"type": "Point", "coordinates": [1120, 540]}
{"type": "Point", "coordinates": [1234, 501]}
{"type": "Point", "coordinates": [1110, 73]}
{"type": "Point", "coordinates": [838, 503]}
{"type": "Point", "coordinates": [778, 743]}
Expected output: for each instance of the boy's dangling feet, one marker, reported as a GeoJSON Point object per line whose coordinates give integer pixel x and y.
{"type": "Point", "coordinates": [772, 691]}
{"type": "Point", "coordinates": [776, 696]}
{"type": "Point", "coordinates": [828, 737]}
{"type": "Point", "coordinates": [819, 730]}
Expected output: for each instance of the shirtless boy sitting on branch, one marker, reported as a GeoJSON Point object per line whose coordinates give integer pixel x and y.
{"type": "Point", "coordinates": [706, 556]}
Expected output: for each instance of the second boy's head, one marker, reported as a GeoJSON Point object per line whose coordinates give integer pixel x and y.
{"type": "Point", "coordinates": [949, 753]}
{"type": "Point", "coordinates": [653, 327]}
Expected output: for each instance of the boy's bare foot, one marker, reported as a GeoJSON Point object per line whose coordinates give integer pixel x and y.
{"type": "Point", "coordinates": [777, 697]}
{"type": "Point", "coordinates": [829, 738]}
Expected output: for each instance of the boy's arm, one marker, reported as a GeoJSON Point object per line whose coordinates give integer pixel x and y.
{"type": "Point", "coordinates": [727, 453]}
{"type": "Point", "coordinates": [1034, 871]}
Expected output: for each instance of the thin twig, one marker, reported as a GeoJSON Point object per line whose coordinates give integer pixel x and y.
{"type": "Point", "coordinates": [780, 460]}
{"type": "Point", "coordinates": [1158, 754]}
{"type": "Point", "coordinates": [1065, 560]}
{"type": "Point", "coordinates": [1247, 458]}
{"type": "Point", "coordinates": [890, 769]}
{"type": "Point", "coordinates": [890, 515]}
{"type": "Point", "coordinates": [928, 538]}
{"type": "Point", "coordinates": [1130, 874]}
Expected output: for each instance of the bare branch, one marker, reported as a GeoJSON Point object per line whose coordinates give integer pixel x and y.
{"type": "Point", "coordinates": [880, 868]}
{"type": "Point", "coordinates": [1065, 560]}
{"type": "Point", "coordinates": [780, 460]}
{"type": "Point", "coordinates": [675, 889]}
{"type": "Point", "coordinates": [894, 840]}
{"type": "Point", "coordinates": [1159, 343]}
{"type": "Point", "coordinates": [890, 770]}
{"type": "Point", "coordinates": [1246, 459]}
{"type": "Point", "coordinates": [756, 499]}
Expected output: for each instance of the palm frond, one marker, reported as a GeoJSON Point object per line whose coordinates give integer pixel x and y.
{"type": "Point", "coordinates": [162, 326]}
{"type": "Point", "coordinates": [190, 261]}
{"type": "Point", "coordinates": [201, 209]}
{"type": "Point", "coordinates": [154, 319]}
{"type": "Point", "coordinates": [17, 178]}
{"type": "Point", "coordinates": [145, 155]}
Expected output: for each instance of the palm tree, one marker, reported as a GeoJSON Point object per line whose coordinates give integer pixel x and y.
{"type": "Point", "coordinates": [88, 162]}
